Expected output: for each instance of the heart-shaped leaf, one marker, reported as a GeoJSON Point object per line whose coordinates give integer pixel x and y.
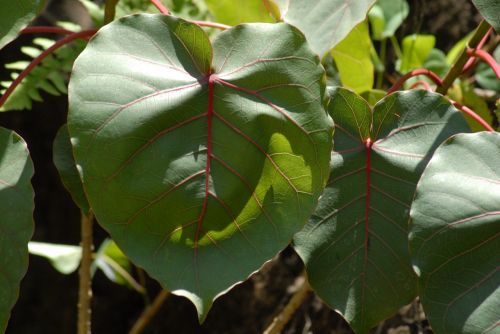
{"type": "Point", "coordinates": [356, 245]}
{"type": "Point", "coordinates": [490, 10]}
{"type": "Point", "coordinates": [201, 161]}
{"type": "Point", "coordinates": [324, 22]}
{"type": "Point", "coordinates": [16, 218]}
{"type": "Point", "coordinates": [14, 16]}
{"type": "Point", "coordinates": [454, 235]}
{"type": "Point", "coordinates": [66, 166]}
{"type": "Point", "coordinates": [234, 12]}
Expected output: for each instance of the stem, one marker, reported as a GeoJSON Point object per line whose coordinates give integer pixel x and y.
{"type": "Point", "coordinates": [82, 35]}
{"type": "Point", "coordinates": [161, 7]}
{"type": "Point", "coordinates": [487, 58]}
{"type": "Point", "coordinates": [46, 29]}
{"type": "Point", "coordinates": [149, 312]}
{"type": "Point", "coordinates": [422, 83]}
{"type": "Point", "coordinates": [286, 314]}
{"type": "Point", "coordinates": [110, 10]}
{"type": "Point", "coordinates": [421, 71]}
{"type": "Point", "coordinates": [473, 115]}
{"type": "Point", "coordinates": [455, 71]}
{"type": "Point", "coordinates": [212, 25]}
{"type": "Point", "coordinates": [470, 63]}
{"type": "Point", "coordinates": [397, 48]}
{"type": "Point", "coordinates": [85, 291]}
{"type": "Point", "coordinates": [383, 54]}
{"type": "Point", "coordinates": [120, 270]}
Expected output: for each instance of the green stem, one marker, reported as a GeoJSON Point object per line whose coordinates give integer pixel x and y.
{"type": "Point", "coordinates": [455, 70]}
{"type": "Point", "coordinates": [397, 48]}
{"type": "Point", "coordinates": [85, 290]}
{"type": "Point", "coordinates": [149, 312]}
{"type": "Point", "coordinates": [383, 55]}
{"type": "Point", "coordinates": [110, 11]}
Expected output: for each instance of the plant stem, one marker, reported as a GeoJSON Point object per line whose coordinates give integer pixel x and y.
{"type": "Point", "coordinates": [397, 48]}
{"type": "Point", "coordinates": [46, 29]}
{"type": "Point", "coordinates": [286, 314]}
{"type": "Point", "coordinates": [212, 25]}
{"type": "Point", "coordinates": [470, 63]}
{"type": "Point", "coordinates": [126, 276]}
{"type": "Point", "coordinates": [68, 39]}
{"type": "Point", "coordinates": [421, 71]}
{"type": "Point", "coordinates": [149, 312]}
{"type": "Point", "coordinates": [455, 70]}
{"type": "Point", "coordinates": [473, 115]}
{"type": "Point", "coordinates": [85, 291]}
{"type": "Point", "coordinates": [110, 10]}
{"type": "Point", "coordinates": [383, 55]}
{"type": "Point", "coordinates": [161, 7]}
{"type": "Point", "coordinates": [487, 58]}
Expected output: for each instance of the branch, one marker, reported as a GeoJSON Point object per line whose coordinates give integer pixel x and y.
{"type": "Point", "coordinates": [85, 291]}
{"type": "Point", "coordinates": [422, 83]}
{"type": "Point", "coordinates": [148, 314]}
{"type": "Point", "coordinates": [470, 63]}
{"type": "Point", "coordinates": [487, 58]}
{"type": "Point", "coordinates": [110, 11]}
{"type": "Point", "coordinates": [68, 39]}
{"type": "Point", "coordinates": [212, 25]}
{"type": "Point", "coordinates": [280, 321]}
{"type": "Point", "coordinates": [421, 71]}
{"type": "Point", "coordinates": [473, 115]}
{"type": "Point", "coordinates": [161, 7]}
{"type": "Point", "coordinates": [455, 70]}
{"type": "Point", "coordinates": [46, 29]}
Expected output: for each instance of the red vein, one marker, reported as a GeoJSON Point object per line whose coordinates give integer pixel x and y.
{"type": "Point", "coordinates": [368, 145]}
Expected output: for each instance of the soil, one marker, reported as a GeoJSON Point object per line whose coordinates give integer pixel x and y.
{"type": "Point", "coordinates": [48, 299]}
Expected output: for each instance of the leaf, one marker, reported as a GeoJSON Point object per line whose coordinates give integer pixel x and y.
{"type": "Point", "coordinates": [15, 16]}
{"type": "Point", "coordinates": [16, 223]}
{"type": "Point", "coordinates": [151, 99]}
{"type": "Point", "coordinates": [355, 246]}
{"type": "Point", "coordinates": [66, 166]}
{"type": "Point", "coordinates": [436, 62]}
{"type": "Point", "coordinates": [353, 59]}
{"type": "Point", "coordinates": [386, 16]}
{"type": "Point", "coordinates": [373, 96]}
{"type": "Point", "coordinates": [416, 49]}
{"type": "Point", "coordinates": [457, 48]}
{"type": "Point", "coordinates": [64, 258]}
{"type": "Point", "coordinates": [489, 9]}
{"type": "Point", "coordinates": [324, 22]}
{"type": "Point", "coordinates": [478, 104]}
{"type": "Point", "coordinates": [110, 253]}
{"type": "Point", "coordinates": [454, 235]}
{"type": "Point", "coordinates": [235, 12]}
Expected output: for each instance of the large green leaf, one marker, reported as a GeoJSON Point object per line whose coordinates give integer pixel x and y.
{"type": "Point", "coordinates": [324, 22]}
{"type": "Point", "coordinates": [386, 16]}
{"type": "Point", "coordinates": [454, 235]}
{"type": "Point", "coordinates": [355, 246]}
{"type": "Point", "coordinates": [416, 49]}
{"type": "Point", "coordinates": [490, 10]}
{"type": "Point", "coordinates": [353, 59]}
{"type": "Point", "coordinates": [201, 161]}
{"type": "Point", "coordinates": [65, 164]}
{"type": "Point", "coordinates": [16, 218]}
{"type": "Point", "coordinates": [236, 11]}
{"type": "Point", "coordinates": [14, 16]}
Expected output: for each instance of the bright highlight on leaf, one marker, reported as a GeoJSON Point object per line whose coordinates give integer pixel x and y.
{"type": "Point", "coordinates": [355, 246]}
{"type": "Point", "coordinates": [459, 195]}
{"type": "Point", "coordinates": [201, 160]}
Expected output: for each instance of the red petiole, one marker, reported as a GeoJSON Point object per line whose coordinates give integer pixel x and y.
{"type": "Point", "coordinates": [421, 71]}
{"type": "Point", "coordinates": [487, 58]}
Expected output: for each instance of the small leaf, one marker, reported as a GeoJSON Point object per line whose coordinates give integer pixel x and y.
{"type": "Point", "coordinates": [235, 12]}
{"type": "Point", "coordinates": [324, 22]}
{"type": "Point", "coordinates": [16, 222]}
{"type": "Point", "coordinates": [489, 9]}
{"type": "Point", "coordinates": [65, 164]}
{"type": "Point", "coordinates": [109, 251]}
{"type": "Point", "coordinates": [416, 49]}
{"type": "Point", "coordinates": [201, 160]}
{"type": "Point", "coordinates": [353, 59]}
{"type": "Point", "coordinates": [386, 16]}
{"type": "Point", "coordinates": [64, 258]}
{"type": "Point", "coordinates": [355, 246]}
{"type": "Point", "coordinates": [15, 16]}
{"type": "Point", "coordinates": [454, 235]}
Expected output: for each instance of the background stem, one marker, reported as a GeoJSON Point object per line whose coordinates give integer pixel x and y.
{"type": "Point", "coordinates": [85, 292]}
{"type": "Point", "coordinates": [149, 312]}
{"type": "Point", "coordinates": [110, 11]}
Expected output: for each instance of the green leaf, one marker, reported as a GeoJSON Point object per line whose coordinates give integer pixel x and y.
{"type": "Point", "coordinates": [66, 166]}
{"type": "Point", "coordinates": [436, 62]}
{"type": "Point", "coordinates": [490, 10]}
{"type": "Point", "coordinates": [454, 235]}
{"type": "Point", "coordinates": [353, 59]}
{"type": "Point", "coordinates": [199, 159]}
{"type": "Point", "coordinates": [110, 258]}
{"type": "Point", "coordinates": [386, 16]}
{"type": "Point", "coordinates": [15, 16]}
{"type": "Point", "coordinates": [16, 223]}
{"type": "Point", "coordinates": [372, 96]}
{"type": "Point", "coordinates": [416, 49]}
{"type": "Point", "coordinates": [456, 49]}
{"type": "Point", "coordinates": [476, 103]}
{"type": "Point", "coordinates": [64, 258]}
{"type": "Point", "coordinates": [234, 12]}
{"type": "Point", "coordinates": [355, 246]}
{"type": "Point", "coordinates": [324, 22]}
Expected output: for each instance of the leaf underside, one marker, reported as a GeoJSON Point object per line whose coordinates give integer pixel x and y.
{"type": "Point", "coordinates": [16, 218]}
{"type": "Point", "coordinates": [454, 235]}
{"type": "Point", "coordinates": [355, 246]}
{"type": "Point", "coordinates": [14, 16]}
{"type": "Point", "coordinates": [490, 10]}
{"type": "Point", "coordinates": [201, 160]}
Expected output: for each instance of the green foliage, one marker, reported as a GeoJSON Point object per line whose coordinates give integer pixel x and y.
{"type": "Point", "coordinates": [416, 49]}
{"type": "Point", "coordinates": [16, 222]}
{"type": "Point", "coordinates": [235, 12]}
{"type": "Point", "coordinates": [15, 15]}
{"type": "Point", "coordinates": [489, 9]}
{"type": "Point", "coordinates": [386, 16]}
{"type": "Point", "coordinates": [262, 93]}
{"type": "Point", "coordinates": [454, 235]}
{"type": "Point", "coordinates": [50, 76]}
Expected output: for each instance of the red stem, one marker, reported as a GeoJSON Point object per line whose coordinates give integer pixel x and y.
{"type": "Point", "coordinates": [46, 29]}
{"type": "Point", "coordinates": [422, 83]}
{"type": "Point", "coordinates": [82, 35]}
{"type": "Point", "coordinates": [487, 58]}
{"type": "Point", "coordinates": [474, 116]}
{"type": "Point", "coordinates": [421, 71]}
{"type": "Point", "coordinates": [470, 63]}
{"type": "Point", "coordinates": [212, 25]}
{"type": "Point", "coordinates": [368, 148]}
{"type": "Point", "coordinates": [161, 7]}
